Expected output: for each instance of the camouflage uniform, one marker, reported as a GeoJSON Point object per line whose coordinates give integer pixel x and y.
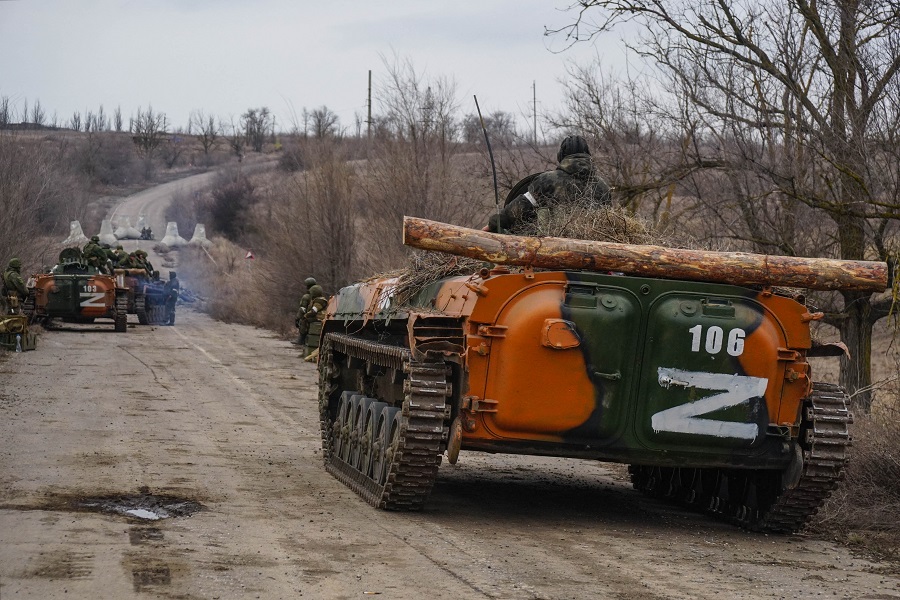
{"type": "Point", "coordinates": [171, 289]}
{"type": "Point", "coordinates": [121, 259]}
{"type": "Point", "coordinates": [94, 254]}
{"type": "Point", "coordinates": [141, 262]}
{"type": "Point", "coordinates": [315, 313]}
{"type": "Point", "coordinates": [575, 180]}
{"type": "Point", "coordinates": [302, 309]}
{"type": "Point", "coordinates": [14, 290]}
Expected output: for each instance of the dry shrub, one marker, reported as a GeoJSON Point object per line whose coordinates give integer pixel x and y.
{"type": "Point", "coordinates": [586, 221]}
{"type": "Point", "coordinates": [863, 510]}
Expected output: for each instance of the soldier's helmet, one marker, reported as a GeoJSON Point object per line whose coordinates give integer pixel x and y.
{"type": "Point", "coordinates": [95, 238]}
{"type": "Point", "coordinates": [119, 247]}
{"type": "Point", "coordinates": [316, 291]}
{"type": "Point", "coordinates": [573, 144]}
{"type": "Point", "coordinates": [171, 274]}
{"type": "Point", "coordinates": [15, 263]}
{"type": "Point", "coordinates": [310, 281]}
{"type": "Point", "coordinates": [140, 253]}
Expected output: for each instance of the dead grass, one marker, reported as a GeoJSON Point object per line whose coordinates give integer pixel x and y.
{"type": "Point", "coordinates": [863, 511]}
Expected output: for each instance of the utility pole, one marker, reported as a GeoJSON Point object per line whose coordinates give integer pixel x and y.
{"type": "Point", "coordinates": [369, 109]}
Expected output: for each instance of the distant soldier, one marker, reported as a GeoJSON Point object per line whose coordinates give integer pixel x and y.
{"type": "Point", "coordinates": [318, 302]}
{"type": "Point", "coordinates": [172, 288]}
{"type": "Point", "coordinates": [14, 290]}
{"type": "Point", "coordinates": [303, 307]}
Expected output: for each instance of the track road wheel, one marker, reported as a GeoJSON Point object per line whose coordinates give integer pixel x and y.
{"type": "Point", "coordinates": [369, 445]}
{"type": "Point", "coordinates": [340, 419]}
{"type": "Point", "coordinates": [348, 432]}
{"type": "Point", "coordinates": [381, 462]}
{"type": "Point", "coordinates": [358, 426]}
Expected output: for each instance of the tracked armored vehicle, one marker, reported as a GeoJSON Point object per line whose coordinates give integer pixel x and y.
{"type": "Point", "coordinates": [146, 295]}
{"type": "Point", "coordinates": [702, 388]}
{"type": "Point", "coordinates": [75, 291]}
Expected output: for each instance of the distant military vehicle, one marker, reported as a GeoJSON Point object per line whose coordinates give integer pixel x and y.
{"type": "Point", "coordinates": [146, 295]}
{"type": "Point", "coordinates": [75, 291]}
{"type": "Point", "coordinates": [702, 387]}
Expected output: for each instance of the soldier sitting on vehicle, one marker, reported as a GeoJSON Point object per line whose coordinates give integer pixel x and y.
{"type": "Point", "coordinates": [138, 260]}
{"type": "Point", "coordinates": [121, 259]}
{"type": "Point", "coordinates": [14, 290]}
{"type": "Point", "coordinates": [95, 255]}
{"type": "Point", "coordinates": [574, 180]}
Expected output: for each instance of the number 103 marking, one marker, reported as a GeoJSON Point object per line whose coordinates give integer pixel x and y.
{"type": "Point", "coordinates": [715, 338]}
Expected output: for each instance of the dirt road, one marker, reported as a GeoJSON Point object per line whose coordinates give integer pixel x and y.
{"type": "Point", "coordinates": [222, 420]}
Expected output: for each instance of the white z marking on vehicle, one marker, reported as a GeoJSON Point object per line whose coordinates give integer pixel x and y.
{"type": "Point", "coordinates": [94, 300]}
{"type": "Point", "coordinates": [737, 389]}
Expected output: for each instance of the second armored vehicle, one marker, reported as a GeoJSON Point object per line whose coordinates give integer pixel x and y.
{"type": "Point", "coordinates": [146, 295]}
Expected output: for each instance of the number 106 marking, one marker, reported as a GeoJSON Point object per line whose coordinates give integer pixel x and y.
{"type": "Point", "coordinates": [714, 338]}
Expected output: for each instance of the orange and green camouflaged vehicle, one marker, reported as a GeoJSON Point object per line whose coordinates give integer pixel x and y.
{"type": "Point", "coordinates": [77, 292]}
{"type": "Point", "coordinates": [702, 388]}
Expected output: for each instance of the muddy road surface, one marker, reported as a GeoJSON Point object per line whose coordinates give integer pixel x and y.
{"type": "Point", "coordinates": [184, 462]}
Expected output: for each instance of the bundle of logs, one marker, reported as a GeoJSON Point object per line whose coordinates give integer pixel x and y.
{"type": "Point", "coordinates": [737, 268]}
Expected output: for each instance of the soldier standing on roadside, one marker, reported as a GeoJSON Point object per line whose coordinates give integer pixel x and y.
{"type": "Point", "coordinates": [315, 314]}
{"type": "Point", "coordinates": [302, 308]}
{"type": "Point", "coordinates": [171, 289]}
{"type": "Point", "coordinates": [14, 290]}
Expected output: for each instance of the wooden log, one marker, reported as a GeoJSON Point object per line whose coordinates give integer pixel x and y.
{"type": "Point", "coordinates": [737, 268]}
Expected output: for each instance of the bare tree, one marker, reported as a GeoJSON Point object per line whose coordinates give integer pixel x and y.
{"type": "Point", "coordinates": [797, 98]}
{"type": "Point", "coordinates": [38, 115]}
{"type": "Point", "coordinates": [256, 124]}
{"type": "Point", "coordinates": [75, 122]}
{"type": "Point", "coordinates": [148, 130]}
{"type": "Point", "coordinates": [37, 197]}
{"type": "Point", "coordinates": [206, 131]}
{"type": "Point", "coordinates": [416, 166]}
{"type": "Point", "coordinates": [117, 119]}
{"type": "Point", "coordinates": [173, 148]}
{"type": "Point", "coordinates": [237, 138]}
{"type": "Point", "coordinates": [325, 123]}
{"type": "Point", "coordinates": [5, 112]}
{"type": "Point", "coordinates": [500, 125]}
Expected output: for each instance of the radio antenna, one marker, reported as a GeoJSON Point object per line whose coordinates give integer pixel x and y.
{"type": "Point", "coordinates": [487, 141]}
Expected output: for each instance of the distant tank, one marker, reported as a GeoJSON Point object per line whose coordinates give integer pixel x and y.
{"type": "Point", "coordinates": [77, 292]}
{"type": "Point", "coordinates": [146, 295]}
{"type": "Point", "coordinates": [702, 388]}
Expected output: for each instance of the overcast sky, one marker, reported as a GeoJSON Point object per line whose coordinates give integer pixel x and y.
{"type": "Point", "coordinates": [224, 56]}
